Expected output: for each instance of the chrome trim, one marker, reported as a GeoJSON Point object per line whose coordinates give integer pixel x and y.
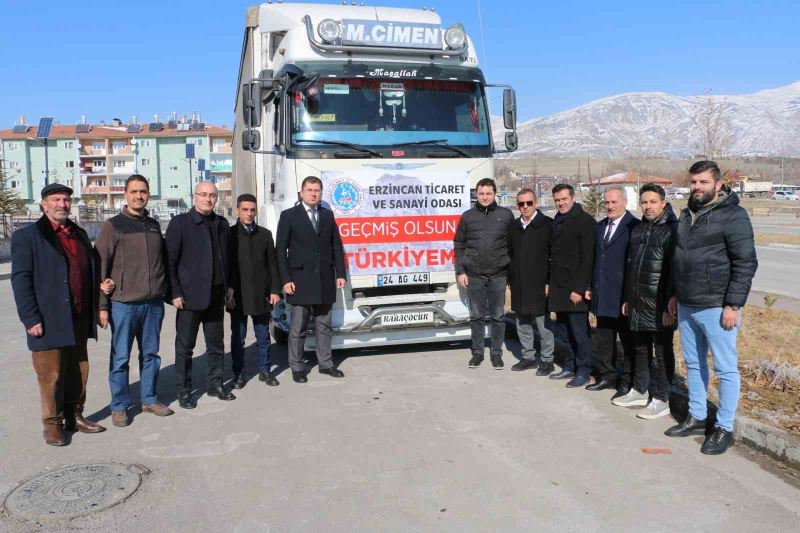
{"type": "Point", "coordinates": [323, 47]}
{"type": "Point", "coordinates": [365, 325]}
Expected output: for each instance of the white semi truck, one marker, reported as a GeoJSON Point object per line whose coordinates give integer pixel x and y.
{"type": "Point", "coordinates": [390, 110]}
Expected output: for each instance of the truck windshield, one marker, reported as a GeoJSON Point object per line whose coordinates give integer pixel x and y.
{"type": "Point", "coordinates": [385, 112]}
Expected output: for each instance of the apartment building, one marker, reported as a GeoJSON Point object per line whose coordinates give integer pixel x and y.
{"type": "Point", "coordinates": [96, 159]}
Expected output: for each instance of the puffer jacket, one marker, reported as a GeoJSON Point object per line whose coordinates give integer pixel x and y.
{"type": "Point", "coordinates": [647, 276]}
{"type": "Point", "coordinates": [480, 242]}
{"type": "Point", "coordinates": [715, 255]}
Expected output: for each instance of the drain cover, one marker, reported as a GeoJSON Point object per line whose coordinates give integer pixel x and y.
{"type": "Point", "coordinates": [74, 490]}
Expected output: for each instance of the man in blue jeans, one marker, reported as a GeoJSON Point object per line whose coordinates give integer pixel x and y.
{"type": "Point", "coordinates": [133, 255]}
{"type": "Point", "coordinates": [713, 268]}
{"type": "Point", "coordinates": [256, 288]}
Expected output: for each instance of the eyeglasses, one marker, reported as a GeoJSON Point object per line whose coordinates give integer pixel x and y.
{"type": "Point", "coordinates": [529, 203]}
{"type": "Point", "coordinates": [206, 194]}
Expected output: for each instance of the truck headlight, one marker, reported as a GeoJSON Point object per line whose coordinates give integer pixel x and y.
{"type": "Point", "coordinates": [455, 37]}
{"type": "Point", "coordinates": [328, 30]}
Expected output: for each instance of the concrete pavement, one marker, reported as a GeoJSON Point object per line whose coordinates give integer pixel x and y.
{"type": "Point", "coordinates": [410, 440]}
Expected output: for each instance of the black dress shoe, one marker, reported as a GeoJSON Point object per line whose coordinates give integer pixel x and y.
{"type": "Point", "coordinates": [602, 384]}
{"type": "Point", "coordinates": [524, 364]}
{"type": "Point", "coordinates": [689, 426]}
{"type": "Point", "coordinates": [545, 369]}
{"type": "Point", "coordinates": [718, 442]}
{"type": "Point", "coordinates": [239, 382]}
{"type": "Point", "coordinates": [299, 377]}
{"type": "Point", "coordinates": [564, 374]}
{"type": "Point", "coordinates": [577, 381]}
{"type": "Point", "coordinates": [186, 401]}
{"type": "Point", "coordinates": [268, 378]}
{"type": "Point", "coordinates": [332, 372]}
{"type": "Point", "coordinates": [220, 392]}
{"type": "Point", "coordinates": [476, 361]}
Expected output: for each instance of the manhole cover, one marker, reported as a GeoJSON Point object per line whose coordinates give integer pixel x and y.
{"type": "Point", "coordinates": [74, 490]}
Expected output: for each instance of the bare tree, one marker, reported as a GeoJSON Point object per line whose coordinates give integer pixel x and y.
{"type": "Point", "coordinates": [714, 132]}
{"type": "Point", "coordinates": [10, 202]}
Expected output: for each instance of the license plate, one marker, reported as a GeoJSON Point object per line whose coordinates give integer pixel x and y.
{"type": "Point", "coordinates": [401, 319]}
{"type": "Point", "coordinates": [410, 278]}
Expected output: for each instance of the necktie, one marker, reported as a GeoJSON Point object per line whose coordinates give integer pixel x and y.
{"type": "Point", "coordinates": [608, 233]}
{"type": "Point", "coordinates": [314, 220]}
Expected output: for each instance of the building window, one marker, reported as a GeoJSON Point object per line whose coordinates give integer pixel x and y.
{"type": "Point", "coordinates": [173, 168]}
{"type": "Point", "coordinates": [13, 184]}
{"type": "Point", "coordinates": [69, 164]}
{"type": "Point", "coordinates": [173, 187]}
{"type": "Point", "coordinates": [117, 183]}
{"type": "Point", "coordinates": [118, 145]}
{"type": "Point", "coordinates": [99, 163]}
{"type": "Point", "coordinates": [69, 145]}
{"type": "Point", "coordinates": [13, 165]}
{"type": "Point", "coordinates": [99, 183]}
{"type": "Point", "coordinates": [197, 142]}
{"type": "Point", "coordinates": [145, 162]}
{"type": "Point", "coordinates": [119, 164]}
{"type": "Point", "coordinates": [99, 146]}
{"type": "Point", "coordinates": [12, 147]}
{"type": "Point", "coordinates": [147, 143]}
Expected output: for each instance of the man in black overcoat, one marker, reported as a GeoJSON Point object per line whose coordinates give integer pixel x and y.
{"type": "Point", "coordinates": [312, 268]}
{"type": "Point", "coordinates": [529, 238]}
{"type": "Point", "coordinates": [571, 259]}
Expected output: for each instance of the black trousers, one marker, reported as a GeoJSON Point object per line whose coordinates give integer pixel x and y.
{"type": "Point", "coordinates": [655, 362]}
{"type": "Point", "coordinates": [607, 356]}
{"type": "Point", "coordinates": [323, 335]}
{"type": "Point", "coordinates": [187, 325]}
{"type": "Point", "coordinates": [571, 330]}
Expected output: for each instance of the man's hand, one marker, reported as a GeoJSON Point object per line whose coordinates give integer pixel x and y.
{"type": "Point", "coordinates": [274, 299]}
{"type": "Point", "coordinates": [672, 307]}
{"type": "Point", "coordinates": [102, 318]}
{"type": "Point", "coordinates": [463, 280]}
{"type": "Point", "coordinates": [730, 317]}
{"type": "Point", "coordinates": [624, 309]}
{"type": "Point", "coordinates": [546, 290]}
{"type": "Point", "coordinates": [340, 283]}
{"type": "Point", "coordinates": [575, 298]}
{"type": "Point", "coordinates": [289, 288]}
{"type": "Point", "coordinates": [667, 319]}
{"type": "Point", "coordinates": [587, 295]}
{"type": "Point", "coordinates": [36, 330]}
{"type": "Point", "coordinates": [107, 286]}
{"type": "Point", "coordinates": [230, 301]}
{"type": "Point", "coordinates": [178, 303]}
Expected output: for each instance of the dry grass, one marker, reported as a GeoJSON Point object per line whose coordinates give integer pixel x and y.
{"type": "Point", "coordinates": [763, 239]}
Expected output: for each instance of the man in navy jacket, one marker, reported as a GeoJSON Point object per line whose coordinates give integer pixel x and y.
{"type": "Point", "coordinates": [612, 235]}
{"type": "Point", "coordinates": [55, 281]}
{"type": "Point", "coordinates": [200, 280]}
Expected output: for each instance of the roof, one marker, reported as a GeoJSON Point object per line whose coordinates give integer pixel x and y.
{"type": "Point", "coordinates": [631, 177]}
{"type": "Point", "coordinates": [109, 132]}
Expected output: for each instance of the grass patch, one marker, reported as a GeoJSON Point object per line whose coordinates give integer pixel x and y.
{"type": "Point", "coordinates": [764, 239]}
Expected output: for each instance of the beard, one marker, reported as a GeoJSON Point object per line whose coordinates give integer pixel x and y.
{"type": "Point", "coordinates": [696, 203]}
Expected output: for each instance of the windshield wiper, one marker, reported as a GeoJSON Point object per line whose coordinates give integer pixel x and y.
{"type": "Point", "coordinates": [342, 143]}
{"type": "Point", "coordinates": [438, 142]}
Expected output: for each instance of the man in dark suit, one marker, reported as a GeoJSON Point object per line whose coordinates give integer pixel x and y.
{"type": "Point", "coordinates": [611, 238]}
{"type": "Point", "coordinates": [256, 288]}
{"type": "Point", "coordinates": [199, 273]}
{"type": "Point", "coordinates": [571, 257]}
{"type": "Point", "coordinates": [529, 239]}
{"type": "Point", "coordinates": [55, 280]}
{"type": "Point", "coordinates": [312, 268]}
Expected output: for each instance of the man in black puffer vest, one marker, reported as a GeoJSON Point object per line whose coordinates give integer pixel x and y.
{"type": "Point", "coordinates": [713, 268]}
{"type": "Point", "coordinates": [481, 250]}
{"type": "Point", "coordinates": [647, 292]}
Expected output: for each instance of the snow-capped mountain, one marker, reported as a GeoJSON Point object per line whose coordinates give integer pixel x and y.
{"type": "Point", "coordinates": [659, 124]}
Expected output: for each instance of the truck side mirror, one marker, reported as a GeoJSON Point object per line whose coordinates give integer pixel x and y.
{"type": "Point", "coordinates": [251, 140]}
{"type": "Point", "coordinates": [268, 85]}
{"type": "Point", "coordinates": [511, 141]}
{"type": "Point", "coordinates": [509, 109]}
{"type": "Point", "coordinates": [251, 104]}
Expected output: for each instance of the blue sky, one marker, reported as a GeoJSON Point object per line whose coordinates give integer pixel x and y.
{"type": "Point", "coordinates": [111, 59]}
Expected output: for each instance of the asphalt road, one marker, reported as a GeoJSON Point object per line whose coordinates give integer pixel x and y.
{"type": "Point", "coordinates": [410, 440]}
{"type": "Point", "coordinates": [778, 271]}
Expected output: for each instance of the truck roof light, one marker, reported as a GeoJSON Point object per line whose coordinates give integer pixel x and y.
{"type": "Point", "coordinates": [455, 36]}
{"type": "Point", "coordinates": [328, 30]}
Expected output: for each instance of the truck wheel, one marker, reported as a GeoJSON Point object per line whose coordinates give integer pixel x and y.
{"type": "Point", "coordinates": [278, 335]}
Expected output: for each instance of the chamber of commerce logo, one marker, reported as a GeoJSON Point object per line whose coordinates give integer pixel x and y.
{"type": "Point", "coordinates": [347, 197]}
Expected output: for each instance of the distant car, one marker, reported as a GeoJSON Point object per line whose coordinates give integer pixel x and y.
{"type": "Point", "coordinates": [675, 195]}
{"type": "Point", "coordinates": [784, 195]}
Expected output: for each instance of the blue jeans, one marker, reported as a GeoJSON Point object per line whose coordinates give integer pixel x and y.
{"type": "Point", "coordinates": [701, 329]}
{"type": "Point", "coordinates": [238, 334]}
{"type": "Point", "coordinates": [140, 321]}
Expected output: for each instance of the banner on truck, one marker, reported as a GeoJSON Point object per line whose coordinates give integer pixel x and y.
{"type": "Point", "coordinates": [397, 221]}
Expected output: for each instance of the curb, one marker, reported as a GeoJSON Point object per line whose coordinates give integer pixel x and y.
{"type": "Point", "coordinates": [774, 442]}
{"type": "Point", "coordinates": [784, 246]}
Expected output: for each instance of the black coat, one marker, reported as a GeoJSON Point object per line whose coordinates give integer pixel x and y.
{"type": "Point", "coordinates": [254, 267]}
{"type": "Point", "coordinates": [609, 266]}
{"type": "Point", "coordinates": [40, 281]}
{"type": "Point", "coordinates": [571, 259]}
{"type": "Point", "coordinates": [312, 261]}
{"type": "Point", "coordinates": [715, 258]}
{"type": "Point", "coordinates": [647, 273]}
{"type": "Point", "coordinates": [479, 243]}
{"type": "Point", "coordinates": [191, 266]}
{"type": "Point", "coordinates": [529, 270]}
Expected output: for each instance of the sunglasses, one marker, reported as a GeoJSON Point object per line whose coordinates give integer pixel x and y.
{"type": "Point", "coordinates": [529, 203]}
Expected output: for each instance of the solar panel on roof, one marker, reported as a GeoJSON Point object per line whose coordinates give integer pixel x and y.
{"type": "Point", "coordinates": [172, 124]}
{"type": "Point", "coordinates": [21, 128]}
{"type": "Point", "coordinates": [156, 126]}
{"type": "Point", "coordinates": [83, 128]}
{"type": "Point", "coordinates": [134, 128]}
{"type": "Point", "coordinates": [183, 127]}
{"type": "Point", "coordinates": [45, 125]}
{"type": "Point", "coordinates": [196, 126]}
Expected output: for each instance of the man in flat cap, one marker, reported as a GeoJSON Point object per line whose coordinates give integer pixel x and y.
{"type": "Point", "coordinates": [55, 283]}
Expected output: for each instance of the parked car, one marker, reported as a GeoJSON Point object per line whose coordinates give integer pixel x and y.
{"type": "Point", "coordinates": [784, 195]}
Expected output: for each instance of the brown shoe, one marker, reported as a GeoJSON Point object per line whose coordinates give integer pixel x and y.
{"type": "Point", "coordinates": [79, 423]}
{"type": "Point", "coordinates": [54, 436]}
{"type": "Point", "coordinates": [119, 418]}
{"type": "Point", "coordinates": [158, 409]}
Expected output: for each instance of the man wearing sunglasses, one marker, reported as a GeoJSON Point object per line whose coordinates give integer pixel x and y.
{"type": "Point", "coordinates": [529, 239]}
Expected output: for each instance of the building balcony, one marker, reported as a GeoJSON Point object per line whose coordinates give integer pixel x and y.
{"type": "Point", "coordinates": [226, 148]}
{"type": "Point", "coordinates": [88, 151]}
{"type": "Point", "coordinates": [93, 171]}
{"type": "Point", "coordinates": [122, 151]}
{"type": "Point", "coordinates": [95, 189]}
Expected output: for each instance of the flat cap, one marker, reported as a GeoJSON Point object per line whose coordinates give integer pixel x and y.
{"type": "Point", "coordinates": [54, 188]}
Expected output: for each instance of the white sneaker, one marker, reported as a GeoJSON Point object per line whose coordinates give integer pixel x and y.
{"type": "Point", "coordinates": [634, 398]}
{"type": "Point", "coordinates": [655, 409]}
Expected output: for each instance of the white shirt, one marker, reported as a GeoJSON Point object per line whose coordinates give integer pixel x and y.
{"type": "Point", "coordinates": [525, 224]}
{"type": "Point", "coordinates": [614, 227]}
